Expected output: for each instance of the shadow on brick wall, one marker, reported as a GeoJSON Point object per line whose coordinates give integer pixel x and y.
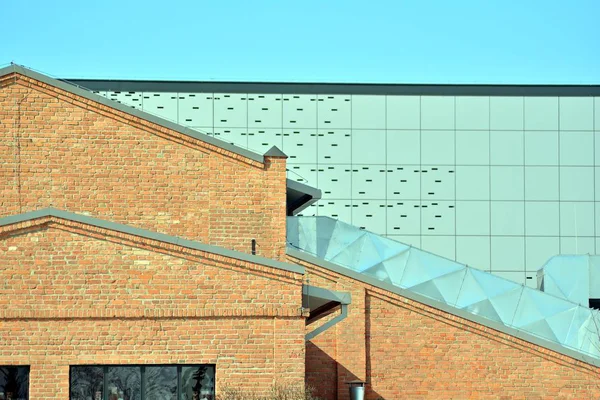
{"type": "Point", "coordinates": [322, 372]}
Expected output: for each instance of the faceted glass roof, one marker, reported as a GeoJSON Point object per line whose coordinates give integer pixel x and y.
{"type": "Point", "coordinates": [482, 294]}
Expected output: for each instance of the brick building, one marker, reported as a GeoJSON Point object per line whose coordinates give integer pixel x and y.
{"type": "Point", "coordinates": [141, 259]}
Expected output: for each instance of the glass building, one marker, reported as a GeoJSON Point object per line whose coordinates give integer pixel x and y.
{"type": "Point", "coordinates": [497, 177]}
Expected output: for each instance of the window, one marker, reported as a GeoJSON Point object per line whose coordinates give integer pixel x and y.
{"type": "Point", "coordinates": [14, 383]}
{"type": "Point", "coordinates": [143, 382]}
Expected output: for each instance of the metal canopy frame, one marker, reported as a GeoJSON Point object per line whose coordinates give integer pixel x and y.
{"type": "Point", "coordinates": [489, 300]}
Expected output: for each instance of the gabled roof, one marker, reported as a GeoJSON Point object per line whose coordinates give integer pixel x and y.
{"type": "Point", "coordinates": [142, 233]}
{"type": "Point", "coordinates": [456, 289]}
{"type": "Point", "coordinates": [79, 91]}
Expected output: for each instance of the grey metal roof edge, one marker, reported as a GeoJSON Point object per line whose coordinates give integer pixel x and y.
{"type": "Point", "coordinates": [161, 237]}
{"type": "Point", "coordinates": [84, 92]}
{"type": "Point", "coordinates": [312, 195]}
{"type": "Point", "coordinates": [444, 307]}
{"type": "Point", "coordinates": [332, 295]}
{"type": "Point", "coordinates": [126, 85]}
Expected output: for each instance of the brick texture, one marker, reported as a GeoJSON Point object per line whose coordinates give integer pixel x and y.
{"type": "Point", "coordinates": [72, 295]}
{"type": "Point", "coordinates": [68, 152]}
{"type": "Point", "coordinates": [407, 350]}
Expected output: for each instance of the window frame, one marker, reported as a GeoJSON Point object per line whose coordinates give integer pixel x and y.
{"type": "Point", "coordinates": [142, 367]}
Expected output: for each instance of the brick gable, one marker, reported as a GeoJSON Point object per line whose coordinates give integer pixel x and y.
{"type": "Point", "coordinates": [67, 151]}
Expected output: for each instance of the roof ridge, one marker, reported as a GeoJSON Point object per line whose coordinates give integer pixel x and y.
{"type": "Point", "coordinates": [88, 94]}
{"type": "Point", "coordinates": [146, 234]}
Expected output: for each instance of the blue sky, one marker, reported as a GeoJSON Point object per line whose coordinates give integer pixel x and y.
{"type": "Point", "coordinates": [401, 41]}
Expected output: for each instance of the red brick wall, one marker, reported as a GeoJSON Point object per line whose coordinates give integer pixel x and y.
{"type": "Point", "coordinates": [414, 351]}
{"type": "Point", "coordinates": [74, 294]}
{"type": "Point", "coordinates": [62, 150]}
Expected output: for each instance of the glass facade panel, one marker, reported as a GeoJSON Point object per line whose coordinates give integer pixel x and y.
{"type": "Point", "coordinates": [14, 383]}
{"type": "Point", "coordinates": [473, 251]}
{"type": "Point", "coordinates": [472, 112]}
{"type": "Point", "coordinates": [437, 112]}
{"type": "Point", "coordinates": [508, 253]}
{"type": "Point", "coordinates": [506, 148]}
{"type": "Point", "coordinates": [507, 183]}
{"type": "Point", "coordinates": [577, 113]}
{"type": "Point", "coordinates": [405, 155]}
{"type": "Point", "coordinates": [541, 148]}
{"type": "Point", "coordinates": [541, 218]}
{"type": "Point", "coordinates": [540, 250]}
{"type": "Point", "coordinates": [472, 147]}
{"type": "Point", "coordinates": [437, 147]}
{"type": "Point", "coordinates": [506, 113]}
{"type": "Point", "coordinates": [368, 112]}
{"type": "Point", "coordinates": [541, 113]}
{"type": "Point", "coordinates": [403, 112]}
{"type": "Point", "coordinates": [465, 176]}
{"type": "Point", "coordinates": [577, 184]}
{"type": "Point", "coordinates": [472, 217]}
{"type": "Point", "coordinates": [403, 147]}
{"type": "Point", "coordinates": [541, 183]}
{"type": "Point", "coordinates": [508, 218]}
{"type": "Point", "coordinates": [576, 148]}
{"type": "Point", "coordinates": [374, 141]}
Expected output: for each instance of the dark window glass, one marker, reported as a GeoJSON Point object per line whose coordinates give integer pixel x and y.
{"type": "Point", "coordinates": [87, 383]}
{"type": "Point", "coordinates": [143, 382]}
{"type": "Point", "coordinates": [124, 383]}
{"type": "Point", "coordinates": [595, 303]}
{"type": "Point", "coordinates": [197, 382]}
{"type": "Point", "coordinates": [14, 383]}
{"type": "Point", "coordinates": [161, 383]}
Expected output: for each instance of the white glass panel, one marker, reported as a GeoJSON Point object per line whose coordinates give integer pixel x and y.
{"type": "Point", "coordinates": [508, 253]}
{"type": "Point", "coordinates": [473, 251]}
{"type": "Point", "coordinates": [541, 148]}
{"type": "Point", "coordinates": [506, 113]}
{"type": "Point", "coordinates": [541, 113]}
{"type": "Point", "coordinates": [472, 147]}
{"type": "Point", "coordinates": [577, 113]}
{"type": "Point", "coordinates": [437, 147]}
{"type": "Point", "coordinates": [472, 112]}
{"type": "Point", "coordinates": [506, 147]}
{"type": "Point", "coordinates": [403, 112]}
{"type": "Point", "coordinates": [437, 112]}
{"type": "Point", "coordinates": [508, 217]}
{"type": "Point", "coordinates": [368, 112]}
{"type": "Point", "coordinates": [507, 183]}
{"type": "Point", "coordinates": [541, 218]}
